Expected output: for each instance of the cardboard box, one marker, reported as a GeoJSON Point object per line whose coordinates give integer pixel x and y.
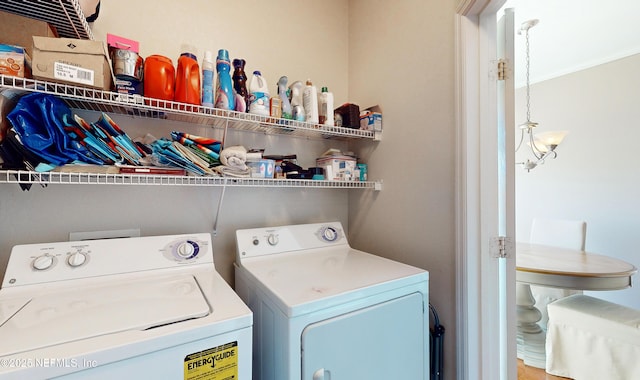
{"type": "Point", "coordinates": [12, 60]}
{"type": "Point", "coordinates": [371, 119]}
{"type": "Point", "coordinates": [349, 114]}
{"type": "Point", "coordinates": [19, 30]}
{"type": "Point", "coordinates": [77, 62]}
{"type": "Point", "coordinates": [338, 167]}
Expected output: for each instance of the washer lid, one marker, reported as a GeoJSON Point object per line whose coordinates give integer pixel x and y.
{"type": "Point", "coordinates": [305, 281]}
{"type": "Point", "coordinates": [85, 312]}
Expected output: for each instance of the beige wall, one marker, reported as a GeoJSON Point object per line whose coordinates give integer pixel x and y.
{"type": "Point", "coordinates": [397, 54]}
{"type": "Point", "coordinates": [402, 57]}
{"type": "Point", "coordinates": [595, 177]}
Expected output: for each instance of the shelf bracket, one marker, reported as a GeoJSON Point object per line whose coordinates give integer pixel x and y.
{"type": "Point", "coordinates": [217, 216]}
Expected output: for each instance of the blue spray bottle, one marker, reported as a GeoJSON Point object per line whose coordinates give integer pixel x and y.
{"type": "Point", "coordinates": [282, 92]}
{"type": "Point", "coordinates": [224, 86]}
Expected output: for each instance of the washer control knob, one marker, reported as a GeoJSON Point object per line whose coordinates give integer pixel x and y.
{"type": "Point", "coordinates": [185, 249]}
{"type": "Point", "coordinates": [42, 262]}
{"type": "Point", "coordinates": [329, 234]}
{"type": "Point", "coordinates": [76, 259]}
{"type": "Point", "coordinates": [272, 239]}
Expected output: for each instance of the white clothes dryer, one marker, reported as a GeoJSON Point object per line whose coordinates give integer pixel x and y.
{"type": "Point", "coordinates": [325, 311]}
{"type": "Point", "coordinates": [128, 308]}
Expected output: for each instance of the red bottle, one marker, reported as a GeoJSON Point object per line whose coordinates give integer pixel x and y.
{"type": "Point", "coordinates": [159, 78]}
{"type": "Point", "coordinates": [188, 79]}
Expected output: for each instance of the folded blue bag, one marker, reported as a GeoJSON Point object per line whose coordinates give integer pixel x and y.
{"type": "Point", "coordinates": [39, 121]}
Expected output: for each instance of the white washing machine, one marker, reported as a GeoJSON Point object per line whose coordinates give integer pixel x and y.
{"type": "Point", "coordinates": [325, 311]}
{"type": "Point", "coordinates": [128, 308]}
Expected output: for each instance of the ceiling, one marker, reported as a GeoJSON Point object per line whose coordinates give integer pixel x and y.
{"type": "Point", "coordinates": [573, 35]}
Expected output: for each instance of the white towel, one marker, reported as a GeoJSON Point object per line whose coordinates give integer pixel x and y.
{"type": "Point", "coordinates": [234, 157]}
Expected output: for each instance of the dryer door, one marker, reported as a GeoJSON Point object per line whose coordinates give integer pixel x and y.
{"type": "Point", "coordinates": [380, 342]}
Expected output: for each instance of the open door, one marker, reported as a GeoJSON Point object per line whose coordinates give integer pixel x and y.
{"type": "Point", "coordinates": [506, 193]}
{"type": "Point", "coordinates": [486, 327]}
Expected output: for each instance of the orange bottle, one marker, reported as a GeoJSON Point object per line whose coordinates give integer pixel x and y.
{"type": "Point", "coordinates": [188, 78]}
{"type": "Point", "coordinates": [159, 77]}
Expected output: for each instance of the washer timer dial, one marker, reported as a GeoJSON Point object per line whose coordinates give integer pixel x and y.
{"type": "Point", "coordinates": [182, 250]}
{"type": "Point", "coordinates": [329, 234]}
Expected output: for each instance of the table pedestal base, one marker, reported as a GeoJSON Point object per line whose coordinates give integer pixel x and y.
{"type": "Point", "coordinates": [530, 337]}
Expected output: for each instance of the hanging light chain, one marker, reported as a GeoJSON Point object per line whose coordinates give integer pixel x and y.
{"type": "Point", "coordinates": [527, 67]}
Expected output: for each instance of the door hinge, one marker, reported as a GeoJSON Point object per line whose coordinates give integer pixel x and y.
{"type": "Point", "coordinates": [502, 69]}
{"type": "Point", "coordinates": [501, 247]}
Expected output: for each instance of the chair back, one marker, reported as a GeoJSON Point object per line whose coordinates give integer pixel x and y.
{"type": "Point", "coordinates": [570, 234]}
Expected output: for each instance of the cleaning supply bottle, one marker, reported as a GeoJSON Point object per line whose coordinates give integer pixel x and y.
{"type": "Point", "coordinates": [297, 109]}
{"type": "Point", "coordinates": [207, 79]}
{"type": "Point", "coordinates": [188, 77]}
{"type": "Point", "coordinates": [325, 109]}
{"type": "Point", "coordinates": [286, 104]}
{"type": "Point", "coordinates": [310, 102]}
{"type": "Point", "coordinates": [258, 95]}
{"type": "Point", "coordinates": [240, 80]}
{"type": "Point", "coordinates": [224, 97]}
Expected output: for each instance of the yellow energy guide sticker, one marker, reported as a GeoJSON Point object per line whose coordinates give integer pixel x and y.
{"type": "Point", "coordinates": [218, 363]}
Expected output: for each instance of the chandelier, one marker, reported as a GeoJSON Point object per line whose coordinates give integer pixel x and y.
{"type": "Point", "coordinates": [542, 145]}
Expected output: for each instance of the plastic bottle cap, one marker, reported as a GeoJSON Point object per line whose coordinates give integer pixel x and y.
{"type": "Point", "coordinates": [208, 55]}
{"type": "Point", "coordinates": [324, 89]}
{"type": "Point", "coordinates": [257, 72]}
{"type": "Point", "coordinates": [188, 49]}
{"type": "Point", "coordinates": [223, 54]}
{"type": "Point", "coordinates": [309, 82]}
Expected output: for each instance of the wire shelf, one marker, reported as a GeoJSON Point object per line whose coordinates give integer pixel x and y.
{"type": "Point", "coordinates": [115, 103]}
{"type": "Point", "coordinates": [65, 15]}
{"type": "Point", "coordinates": [66, 178]}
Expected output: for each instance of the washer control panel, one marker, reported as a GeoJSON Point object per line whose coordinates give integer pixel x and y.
{"type": "Point", "coordinates": [272, 240]}
{"type": "Point", "coordinates": [58, 261]}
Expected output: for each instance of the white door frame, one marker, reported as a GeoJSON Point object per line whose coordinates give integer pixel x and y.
{"type": "Point", "coordinates": [477, 295]}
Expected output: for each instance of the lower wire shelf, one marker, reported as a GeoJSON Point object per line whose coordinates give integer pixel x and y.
{"type": "Point", "coordinates": [67, 178]}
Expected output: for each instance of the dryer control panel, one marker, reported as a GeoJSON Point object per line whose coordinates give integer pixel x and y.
{"type": "Point", "coordinates": [59, 261]}
{"type": "Point", "coordinates": [272, 240]}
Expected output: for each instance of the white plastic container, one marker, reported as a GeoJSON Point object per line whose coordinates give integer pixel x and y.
{"type": "Point", "coordinates": [208, 68]}
{"type": "Point", "coordinates": [310, 103]}
{"type": "Point", "coordinates": [297, 109]}
{"type": "Point", "coordinates": [258, 95]}
{"type": "Point", "coordinates": [325, 108]}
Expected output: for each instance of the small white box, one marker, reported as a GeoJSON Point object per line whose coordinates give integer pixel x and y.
{"type": "Point", "coordinates": [338, 168]}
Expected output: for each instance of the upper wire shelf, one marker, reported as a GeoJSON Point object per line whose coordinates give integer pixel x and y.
{"type": "Point", "coordinates": [65, 15]}
{"type": "Point", "coordinates": [116, 103]}
{"type": "Point", "coordinates": [75, 178]}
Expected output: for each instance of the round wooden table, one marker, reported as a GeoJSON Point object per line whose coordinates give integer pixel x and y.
{"type": "Point", "coordinates": [558, 268]}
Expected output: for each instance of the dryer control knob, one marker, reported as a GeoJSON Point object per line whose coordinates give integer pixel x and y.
{"type": "Point", "coordinates": [76, 259]}
{"type": "Point", "coordinates": [272, 239]}
{"type": "Point", "coordinates": [42, 262]}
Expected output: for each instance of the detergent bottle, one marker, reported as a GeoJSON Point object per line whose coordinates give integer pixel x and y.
{"type": "Point", "coordinates": [284, 98]}
{"type": "Point", "coordinates": [224, 88]}
{"type": "Point", "coordinates": [325, 109]}
{"type": "Point", "coordinates": [310, 102]}
{"type": "Point", "coordinates": [207, 79]}
{"type": "Point", "coordinates": [188, 77]}
{"type": "Point", "coordinates": [240, 79]}
{"type": "Point", "coordinates": [258, 95]}
{"type": "Point", "coordinates": [297, 109]}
